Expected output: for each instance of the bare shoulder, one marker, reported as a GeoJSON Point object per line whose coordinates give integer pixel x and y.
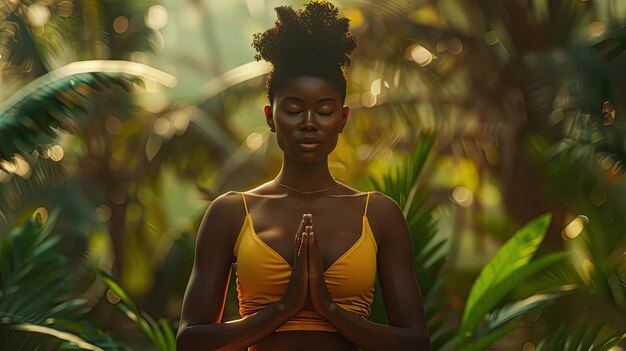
{"type": "Point", "coordinates": [381, 204]}
{"type": "Point", "coordinates": [222, 216]}
{"type": "Point", "coordinates": [226, 206]}
{"type": "Point", "coordinates": [386, 216]}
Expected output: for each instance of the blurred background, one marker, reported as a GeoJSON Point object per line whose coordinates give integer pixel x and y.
{"type": "Point", "coordinates": [120, 121]}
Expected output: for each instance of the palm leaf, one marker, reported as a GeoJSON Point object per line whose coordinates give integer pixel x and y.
{"type": "Point", "coordinates": [581, 339]}
{"type": "Point", "coordinates": [509, 267]}
{"type": "Point", "coordinates": [71, 338]}
{"type": "Point", "coordinates": [401, 184]}
{"type": "Point", "coordinates": [58, 99]}
{"type": "Point", "coordinates": [514, 310]}
{"type": "Point", "coordinates": [159, 332]}
{"type": "Point", "coordinates": [484, 341]}
{"type": "Point", "coordinates": [32, 278]}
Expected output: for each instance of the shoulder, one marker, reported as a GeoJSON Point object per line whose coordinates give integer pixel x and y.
{"type": "Point", "coordinates": [227, 204]}
{"type": "Point", "coordinates": [380, 204]}
{"type": "Point", "coordinates": [222, 216]}
{"type": "Point", "coordinates": [386, 216]}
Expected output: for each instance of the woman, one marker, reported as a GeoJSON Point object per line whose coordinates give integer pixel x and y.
{"type": "Point", "coordinates": [306, 246]}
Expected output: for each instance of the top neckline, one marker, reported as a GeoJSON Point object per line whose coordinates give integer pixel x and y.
{"type": "Point", "coordinates": [353, 247]}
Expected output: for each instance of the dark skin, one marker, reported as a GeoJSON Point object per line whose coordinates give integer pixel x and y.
{"type": "Point", "coordinates": [311, 231]}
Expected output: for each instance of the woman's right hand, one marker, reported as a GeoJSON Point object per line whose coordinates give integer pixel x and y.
{"type": "Point", "coordinates": [296, 295]}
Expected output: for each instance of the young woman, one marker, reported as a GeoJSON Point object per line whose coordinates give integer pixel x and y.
{"type": "Point", "coordinates": [307, 247]}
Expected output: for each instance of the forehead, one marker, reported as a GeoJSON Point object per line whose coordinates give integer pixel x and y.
{"type": "Point", "coordinates": [308, 89]}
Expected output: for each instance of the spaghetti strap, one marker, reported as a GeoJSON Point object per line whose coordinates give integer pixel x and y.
{"type": "Point", "coordinates": [366, 202]}
{"type": "Point", "coordinates": [244, 203]}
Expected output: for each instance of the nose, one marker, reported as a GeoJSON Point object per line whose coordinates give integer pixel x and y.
{"type": "Point", "coordinates": [309, 121]}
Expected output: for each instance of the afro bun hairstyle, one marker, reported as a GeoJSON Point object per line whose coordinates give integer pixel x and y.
{"type": "Point", "coordinates": [296, 32]}
{"type": "Point", "coordinates": [312, 41]}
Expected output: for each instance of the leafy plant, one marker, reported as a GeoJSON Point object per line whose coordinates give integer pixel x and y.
{"type": "Point", "coordinates": [35, 285]}
{"type": "Point", "coordinates": [580, 340]}
{"type": "Point", "coordinates": [58, 100]}
{"type": "Point", "coordinates": [159, 332]}
{"type": "Point", "coordinates": [482, 322]}
{"type": "Point", "coordinates": [429, 254]}
{"type": "Point", "coordinates": [510, 266]}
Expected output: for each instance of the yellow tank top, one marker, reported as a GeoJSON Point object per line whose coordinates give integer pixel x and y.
{"type": "Point", "coordinates": [263, 275]}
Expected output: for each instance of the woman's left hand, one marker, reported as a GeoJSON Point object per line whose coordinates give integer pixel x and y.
{"type": "Point", "coordinates": [321, 299]}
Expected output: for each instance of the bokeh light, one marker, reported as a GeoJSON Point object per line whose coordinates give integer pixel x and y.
{"type": "Point", "coordinates": [156, 18]}
{"type": "Point", "coordinates": [120, 24]}
{"type": "Point", "coordinates": [420, 55]}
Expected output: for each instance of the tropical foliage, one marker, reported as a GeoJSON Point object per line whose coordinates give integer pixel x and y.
{"type": "Point", "coordinates": [510, 267]}
{"type": "Point", "coordinates": [403, 185]}
{"type": "Point", "coordinates": [38, 292]}
{"type": "Point", "coordinates": [159, 332]}
{"type": "Point", "coordinates": [526, 99]}
{"type": "Point", "coordinates": [567, 338]}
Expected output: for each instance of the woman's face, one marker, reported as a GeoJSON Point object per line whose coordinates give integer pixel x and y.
{"type": "Point", "coordinates": [307, 116]}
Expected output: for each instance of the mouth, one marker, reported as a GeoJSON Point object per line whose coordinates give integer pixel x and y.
{"type": "Point", "coordinates": [308, 146]}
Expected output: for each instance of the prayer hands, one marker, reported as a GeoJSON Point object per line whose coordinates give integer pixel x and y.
{"type": "Point", "coordinates": [296, 295]}
{"type": "Point", "coordinates": [307, 284]}
{"type": "Point", "coordinates": [320, 297]}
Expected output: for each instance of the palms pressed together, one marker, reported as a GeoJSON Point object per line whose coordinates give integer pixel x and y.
{"type": "Point", "coordinates": [307, 281]}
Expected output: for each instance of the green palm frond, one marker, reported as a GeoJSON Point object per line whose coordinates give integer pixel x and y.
{"type": "Point", "coordinates": [44, 173]}
{"type": "Point", "coordinates": [510, 266]}
{"type": "Point", "coordinates": [29, 119]}
{"type": "Point", "coordinates": [589, 105]}
{"type": "Point", "coordinates": [581, 339]}
{"type": "Point", "coordinates": [59, 99]}
{"type": "Point", "coordinates": [603, 238]}
{"type": "Point", "coordinates": [159, 332]}
{"type": "Point", "coordinates": [403, 185]}
{"type": "Point", "coordinates": [34, 285]}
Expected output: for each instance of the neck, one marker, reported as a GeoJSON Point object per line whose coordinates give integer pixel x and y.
{"type": "Point", "coordinates": [305, 176]}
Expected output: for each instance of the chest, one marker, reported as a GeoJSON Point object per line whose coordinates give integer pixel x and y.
{"type": "Point", "coordinates": [338, 224]}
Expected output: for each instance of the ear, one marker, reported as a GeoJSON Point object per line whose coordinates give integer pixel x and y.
{"type": "Point", "coordinates": [268, 117]}
{"type": "Point", "coordinates": [344, 118]}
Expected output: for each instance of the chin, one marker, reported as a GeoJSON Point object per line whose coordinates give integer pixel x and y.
{"type": "Point", "coordinates": [306, 157]}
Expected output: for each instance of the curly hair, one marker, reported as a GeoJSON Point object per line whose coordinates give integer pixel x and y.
{"type": "Point", "coordinates": [312, 41]}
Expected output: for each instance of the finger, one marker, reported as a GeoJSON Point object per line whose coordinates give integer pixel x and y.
{"type": "Point", "coordinates": [314, 257]}
{"type": "Point", "coordinates": [300, 227]}
{"type": "Point", "coordinates": [303, 255]}
{"type": "Point", "coordinates": [297, 245]}
{"type": "Point", "coordinates": [303, 242]}
{"type": "Point", "coordinates": [308, 218]}
{"type": "Point", "coordinates": [308, 230]}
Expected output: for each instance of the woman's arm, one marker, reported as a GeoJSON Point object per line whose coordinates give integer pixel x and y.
{"type": "Point", "coordinates": [401, 294]}
{"type": "Point", "coordinates": [203, 303]}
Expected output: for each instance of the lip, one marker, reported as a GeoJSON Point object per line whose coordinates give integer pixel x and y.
{"type": "Point", "coordinates": [309, 146]}
{"type": "Point", "coordinates": [308, 141]}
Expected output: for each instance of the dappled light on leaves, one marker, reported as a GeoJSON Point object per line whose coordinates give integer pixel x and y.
{"type": "Point", "coordinates": [525, 98]}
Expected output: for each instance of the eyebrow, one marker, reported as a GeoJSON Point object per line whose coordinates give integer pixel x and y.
{"type": "Point", "coordinates": [300, 100]}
